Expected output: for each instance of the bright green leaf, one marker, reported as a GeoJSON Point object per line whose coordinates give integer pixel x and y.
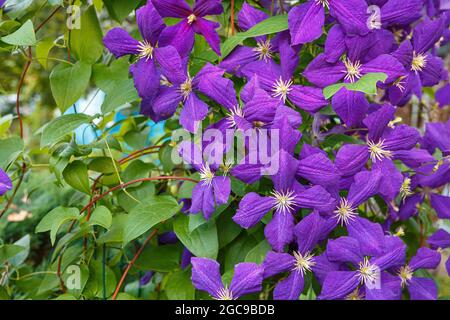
{"type": "Point", "coordinates": [61, 126]}
{"type": "Point", "coordinates": [69, 82]}
{"type": "Point", "coordinates": [366, 84]}
{"type": "Point", "coordinates": [76, 176]}
{"type": "Point", "coordinates": [146, 215]}
{"type": "Point", "coordinates": [24, 36]}
{"type": "Point", "coordinates": [202, 242]}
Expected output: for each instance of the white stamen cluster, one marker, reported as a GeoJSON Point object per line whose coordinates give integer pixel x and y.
{"type": "Point", "coordinates": [419, 62]}
{"type": "Point", "coordinates": [303, 263]}
{"type": "Point", "coordinates": [236, 111]}
{"type": "Point", "coordinates": [405, 189]}
{"type": "Point", "coordinates": [405, 273]}
{"type": "Point", "coordinates": [368, 273]}
{"type": "Point", "coordinates": [191, 19]}
{"type": "Point", "coordinates": [353, 71]}
{"type": "Point", "coordinates": [145, 50]}
{"type": "Point", "coordinates": [378, 151]}
{"type": "Point", "coordinates": [206, 175]}
{"type": "Point", "coordinates": [345, 212]}
{"type": "Point", "coordinates": [281, 89]}
{"type": "Point", "coordinates": [264, 50]}
{"type": "Point", "coordinates": [224, 294]}
{"type": "Point", "coordinates": [186, 88]}
{"type": "Point", "coordinates": [400, 83]}
{"type": "Point", "coordinates": [355, 295]}
{"type": "Point", "coordinates": [284, 201]}
{"type": "Point", "coordinates": [324, 3]}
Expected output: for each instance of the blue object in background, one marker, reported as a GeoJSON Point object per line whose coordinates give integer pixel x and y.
{"type": "Point", "coordinates": [87, 134]}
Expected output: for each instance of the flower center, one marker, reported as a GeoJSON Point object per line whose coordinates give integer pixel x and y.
{"type": "Point", "coordinates": [284, 201]}
{"type": "Point", "coordinates": [186, 88]}
{"type": "Point", "coordinates": [355, 295]}
{"type": "Point", "coordinates": [353, 71]}
{"type": "Point", "coordinates": [405, 273]}
{"type": "Point", "coordinates": [405, 189]}
{"type": "Point", "coordinates": [191, 19]}
{"type": "Point", "coordinates": [264, 50]}
{"type": "Point", "coordinates": [345, 212]}
{"type": "Point", "coordinates": [368, 273]}
{"type": "Point", "coordinates": [236, 111]}
{"type": "Point", "coordinates": [145, 50]}
{"type": "Point", "coordinates": [206, 175]}
{"type": "Point", "coordinates": [324, 3]}
{"type": "Point", "coordinates": [281, 89]}
{"type": "Point", "coordinates": [303, 263]}
{"type": "Point", "coordinates": [224, 294]}
{"type": "Point", "coordinates": [419, 62]}
{"type": "Point", "coordinates": [258, 124]}
{"type": "Point", "coordinates": [378, 151]}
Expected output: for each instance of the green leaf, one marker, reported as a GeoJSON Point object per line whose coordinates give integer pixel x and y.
{"type": "Point", "coordinates": [10, 150]}
{"type": "Point", "coordinates": [53, 220]}
{"type": "Point", "coordinates": [101, 216]}
{"type": "Point", "coordinates": [69, 82]}
{"type": "Point", "coordinates": [76, 176]}
{"type": "Point", "coordinates": [86, 42]}
{"type": "Point", "coordinates": [43, 49]}
{"type": "Point", "coordinates": [24, 36]}
{"type": "Point", "coordinates": [8, 251]}
{"type": "Point", "coordinates": [202, 242]}
{"type": "Point", "coordinates": [121, 94]}
{"type": "Point", "coordinates": [367, 84]}
{"type": "Point", "coordinates": [179, 286]}
{"type": "Point", "coordinates": [119, 9]}
{"type": "Point", "coordinates": [146, 215]}
{"type": "Point", "coordinates": [103, 165]}
{"type": "Point", "coordinates": [258, 253]}
{"type": "Point", "coordinates": [20, 258]}
{"type": "Point", "coordinates": [164, 258]}
{"type": "Point", "coordinates": [62, 126]}
{"type": "Point", "coordinates": [115, 233]}
{"type": "Point", "coordinates": [271, 25]}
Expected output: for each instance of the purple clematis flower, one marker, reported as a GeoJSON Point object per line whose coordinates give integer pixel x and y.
{"type": "Point", "coordinates": [369, 270]}
{"type": "Point", "coordinates": [420, 288]}
{"type": "Point", "coordinates": [179, 87]}
{"type": "Point", "coordinates": [5, 182]}
{"type": "Point", "coordinates": [424, 68]}
{"type": "Point", "coordinates": [247, 279]}
{"type": "Point", "coordinates": [307, 20]}
{"type": "Point", "coordinates": [437, 136]}
{"type": "Point", "coordinates": [288, 196]}
{"type": "Point", "coordinates": [2, 3]}
{"type": "Point", "coordinates": [443, 96]}
{"type": "Point", "coordinates": [212, 190]}
{"type": "Point", "coordinates": [308, 232]}
{"type": "Point", "coordinates": [440, 240]}
{"type": "Point", "coordinates": [265, 49]}
{"type": "Point", "coordinates": [182, 35]}
{"type": "Point", "coordinates": [277, 80]}
{"type": "Point", "coordinates": [150, 57]}
{"type": "Point", "coordinates": [326, 69]}
{"type": "Point", "coordinates": [385, 142]}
